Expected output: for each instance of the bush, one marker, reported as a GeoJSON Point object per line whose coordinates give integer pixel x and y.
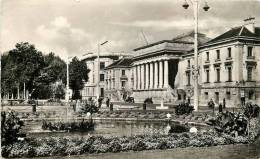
{"type": "Point", "coordinates": [251, 110]}
{"type": "Point", "coordinates": [10, 127]}
{"type": "Point", "coordinates": [82, 126]}
{"type": "Point", "coordinates": [148, 101]}
{"type": "Point", "coordinates": [178, 129]}
{"type": "Point", "coordinates": [183, 109]}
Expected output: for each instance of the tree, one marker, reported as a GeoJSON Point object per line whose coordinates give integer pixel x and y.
{"type": "Point", "coordinates": [78, 73]}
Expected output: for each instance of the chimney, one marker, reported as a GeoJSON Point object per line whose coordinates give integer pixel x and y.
{"type": "Point", "coordinates": [249, 23]}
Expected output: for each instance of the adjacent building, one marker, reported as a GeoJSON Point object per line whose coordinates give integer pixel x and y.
{"type": "Point", "coordinates": [91, 86]}
{"type": "Point", "coordinates": [119, 79]}
{"type": "Point", "coordinates": [229, 67]}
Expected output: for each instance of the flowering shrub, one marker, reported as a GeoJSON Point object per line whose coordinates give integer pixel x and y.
{"type": "Point", "coordinates": [183, 108]}
{"type": "Point", "coordinates": [10, 127]}
{"type": "Point", "coordinates": [70, 126]}
{"type": "Point", "coordinates": [37, 147]}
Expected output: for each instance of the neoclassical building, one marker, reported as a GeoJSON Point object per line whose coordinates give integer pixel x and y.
{"type": "Point", "coordinates": [155, 67]}
{"type": "Point", "coordinates": [91, 86]}
{"type": "Point", "coordinates": [119, 79]}
{"type": "Point", "coordinates": [229, 67]}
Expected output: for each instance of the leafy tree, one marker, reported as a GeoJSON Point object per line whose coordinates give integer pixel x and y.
{"type": "Point", "coordinates": [78, 73]}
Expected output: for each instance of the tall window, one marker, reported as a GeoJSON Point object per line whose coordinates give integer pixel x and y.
{"type": "Point", "coordinates": [102, 65]}
{"type": "Point", "coordinates": [188, 78]}
{"type": "Point", "coordinates": [249, 73]}
{"type": "Point", "coordinates": [218, 74]}
{"type": "Point", "coordinates": [123, 84]}
{"type": "Point", "coordinates": [207, 55]}
{"type": "Point", "coordinates": [218, 55]}
{"type": "Point", "coordinates": [228, 95]}
{"type": "Point", "coordinates": [123, 72]}
{"type": "Point", "coordinates": [229, 52]}
{"type": "Point", "coordinates": [249, 51]}
{"type": "Point", "coordinates": [188, 63]}
{"type": "Point", "coordinates": [229, 74]}
{"type": "Point", "coordinates": [206, 95]}
{"type": "Point", "coordinates": [207, 76]}
{"type": "Point", "coordinates": [102, 77]}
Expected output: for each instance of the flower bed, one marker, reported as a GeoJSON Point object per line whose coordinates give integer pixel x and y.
{"type": "Point", "coordinates": [36, 147]}
{"type": "Point", "coordinates": [68, 126]}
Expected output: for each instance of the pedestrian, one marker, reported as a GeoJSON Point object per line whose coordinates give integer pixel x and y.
{"type": "Point", "coordinates": [111, 106]}
{"type": "Point", "coordinates": [220, 107]}
{"type": "Point", "coordinates": [224, 103]}
{"type": "Point", "coordinates": [108, 101]}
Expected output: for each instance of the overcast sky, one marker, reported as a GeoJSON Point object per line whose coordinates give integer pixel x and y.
{"type": "Point", "coordinates": [75, 27]}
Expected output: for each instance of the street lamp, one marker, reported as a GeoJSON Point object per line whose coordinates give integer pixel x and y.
{"type": "Point", "coordinates": [98, 72]}
{"type": "Point", "coordinates": [196, 68]}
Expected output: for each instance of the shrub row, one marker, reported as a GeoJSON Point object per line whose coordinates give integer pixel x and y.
{"type": "Point", "coordinates": [40, 147]}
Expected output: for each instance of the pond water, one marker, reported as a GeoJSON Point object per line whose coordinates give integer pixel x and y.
{"type": "Point", "coordinates": [104, 128]}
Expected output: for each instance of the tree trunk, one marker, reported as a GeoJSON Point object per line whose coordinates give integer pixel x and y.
{"type": "Point", "coordinates": [18, 91]}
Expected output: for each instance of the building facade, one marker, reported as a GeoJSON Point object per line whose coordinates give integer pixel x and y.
{"type": "Point", "coordinates": [119, 79]}
{"type": "Point", "coordinates": [229, 68]}
{"type": "Point", "coordinates": [91, 86]}
{"type": "Point", "coordinates": [155, 68]}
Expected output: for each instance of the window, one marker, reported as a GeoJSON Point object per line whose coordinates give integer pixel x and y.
{"type": "Point", "coordinates": [102, 77]}
{"type": "Point", "coordinates": [218, 55]}
{"type": "Point", "coordinates": [179, 96]}
{"type": "Point", "coordinates": [229, 74]}
{"type": "Point", "coordinates": [188, 78]}
{"type": "Point", "coordinates": [207, 76]}
{"type": "Point", "coordinates": [250, 94]}
{"type": "Point", "coordinates": [207, 54]}
{"type": "Point", "coordinates": [228, 95]}
{"type": "Point", "coordinates": [123, 72]}
{"type": "Point", "coordinates": [249, 51]}
{"type": "Point", "coordinates": [206, 94]}
{"type": "Point", "coordinates": [229, 52]}
{"type": "Point", "coordinates": [218, 75]}
{"type": "Point", "coordinates": [123, 84]}
{"type": "Point", "coordinates": [102, 65]}
{"type": "Point", "coordinates": [249, 74]}
{"type": "Point", "coordinates": [188, 63]}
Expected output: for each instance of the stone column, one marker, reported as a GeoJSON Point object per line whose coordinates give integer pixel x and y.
{"type": "Point", "coordinates": [151, 76]}
{"type": "Point", "coordinates": [166, 74]}
{"type": "Point", "coordinates": [142, 76]}
{"type": "Point", "coordinates": [135, 77]}
{"type": "Point", "coordinates": [139, 76]}
{"type": "Point", "coordinates": [160, 74]}
{"type": "Point", "coordinates": [156, 75]}
{"type": "Point", "coordinates": [147, 76]}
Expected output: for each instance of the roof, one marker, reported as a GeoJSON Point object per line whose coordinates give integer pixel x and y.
{"type": "Point", "coordinates": [91, 55]}
{"type": "Point", "coordinates": [240, 31]}
{"type": "Point", "coordinates": [123, 62]}
{"type": "Point", "coordinates": [187, 38]}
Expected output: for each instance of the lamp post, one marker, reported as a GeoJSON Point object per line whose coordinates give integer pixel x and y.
{"type": "Point", "coordinates": [195, 4]}
{"type": "Point", "coordinates": [98, 69]}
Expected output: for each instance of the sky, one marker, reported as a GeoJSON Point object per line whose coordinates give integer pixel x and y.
{"type": "Point", "coordinates": [75, 27]}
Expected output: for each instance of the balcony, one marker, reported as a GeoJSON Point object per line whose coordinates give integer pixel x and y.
{"type": "Point", "coordinates": [217, 60]}
{"type": "Point", "coordinates": [123, 77]}
{"type": "Point", "coordinates": [229, 58]}
{"type": "Point", "coordinates": [207, 61]}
